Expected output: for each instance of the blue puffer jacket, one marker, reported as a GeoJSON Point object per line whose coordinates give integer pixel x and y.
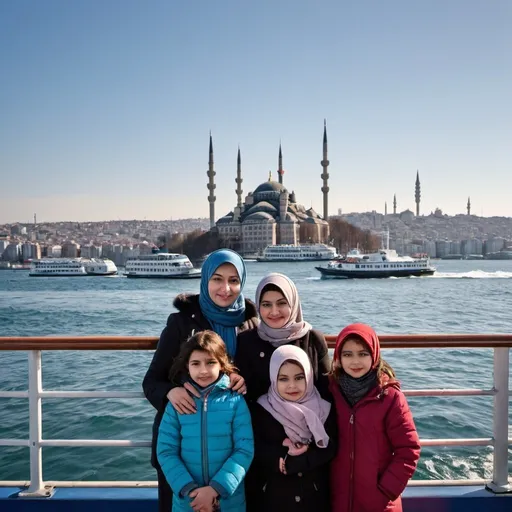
{"type": "Point", "coordinates": [213, 447]}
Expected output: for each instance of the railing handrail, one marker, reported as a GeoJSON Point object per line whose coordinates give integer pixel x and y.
{"type": "Point", "coordinates": [149, 342]}
{"type": "Point", "coordinates": [34, 345]}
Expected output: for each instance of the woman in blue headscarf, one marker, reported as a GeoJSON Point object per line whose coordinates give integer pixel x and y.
{"type": "Point", "coordinates": [220, 307]}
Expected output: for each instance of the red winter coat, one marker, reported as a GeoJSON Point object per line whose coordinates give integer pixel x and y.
{"type": "Point", "coordinates": [378, 451]}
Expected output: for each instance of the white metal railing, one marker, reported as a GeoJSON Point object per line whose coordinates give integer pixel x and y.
{"type": "Point", "coordinates": [37, 487]}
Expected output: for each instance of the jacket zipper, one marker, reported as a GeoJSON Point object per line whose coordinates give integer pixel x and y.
{"type": "Point", "coordinates": [352, 456]}
{"type": "Point", "coordinates": [204, 439]}
{"type": "Point", "coordinates": [353, 444]}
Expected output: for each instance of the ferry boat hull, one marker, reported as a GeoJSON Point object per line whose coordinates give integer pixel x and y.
{"type": "Point", "coordinates": [289, 260]}
{"type": "Point", "coordinates": [355, 274]}
{"type": "Point", "coordinates": [191, 275]}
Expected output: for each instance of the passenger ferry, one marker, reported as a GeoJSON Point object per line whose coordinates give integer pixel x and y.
{"type": "Point", "coordinates": [384, 263]}
{"type": "Point", "coordinates": [57, 267]}
{"type": "Point", "coordinates": [163, 265]}
{"type": "Point", "coordinates": [70, 267]}
{"type": "Point", "coordinates": [100, 267]}
{"type": "Point", "coordinates": [305, 252]}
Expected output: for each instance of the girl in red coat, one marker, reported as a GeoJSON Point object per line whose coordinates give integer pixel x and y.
{"type": "Point", "coordinates": [378, 447]}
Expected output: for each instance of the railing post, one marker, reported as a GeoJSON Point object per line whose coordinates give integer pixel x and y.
{"type": "Point", "coordinates": [499, 482]}
{"type": "Point", "coordinates": [35, 386]}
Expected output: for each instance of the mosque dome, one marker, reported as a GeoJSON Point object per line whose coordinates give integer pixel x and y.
{"type": "Point", "coordinates": [262, 206]}
{"type": "Point", "coordinates": [259, 217]}
{"type": "Point", "coordinates": [270, 186]}
{"type": "Point", "coordinates": [227, 219]}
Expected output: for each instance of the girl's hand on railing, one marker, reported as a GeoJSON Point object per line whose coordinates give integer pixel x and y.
{"type": "Point", "coordinates": [237, 383]}
{"type": "Point", "coordinates": [181, 399]}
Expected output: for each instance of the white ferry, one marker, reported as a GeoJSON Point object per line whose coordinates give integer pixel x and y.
{"type": "Point", "coordinates": [163, 265]}
{"type": "Point", "coordinates": [57, 267]}
{"type": "Point", "coordinates": [100, 267]}
{"type": "Point", "coordinates": [384, 263]}
{"type": "Point", "coordinates": [305, 252]}
{"type": "Point", "coordinates": [69, 267]}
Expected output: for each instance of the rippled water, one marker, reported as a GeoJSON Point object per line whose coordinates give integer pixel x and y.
{"type": "Point", "coordinates": [463, 297]}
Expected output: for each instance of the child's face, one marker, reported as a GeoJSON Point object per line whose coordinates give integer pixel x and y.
{"type": "Point", "coordinates": [291, 382]}
{"type": "Point", "coordinates": [274, 309]}
{"type": "Point", "coordinates": [203, 368]}
{"type": "Point", "coordinates": [356, 359]}
{"type": "Point", "coordinates": [224, 285]}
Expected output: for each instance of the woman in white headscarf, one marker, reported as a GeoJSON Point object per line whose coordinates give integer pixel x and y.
{"type": "Point", "coordinates": [281, 323]}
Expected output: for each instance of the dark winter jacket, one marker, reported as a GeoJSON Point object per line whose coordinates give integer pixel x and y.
{"type": "Point", "coordinates": [305, 487]}
{"type": "Point", "coordinates": [378, 451]}
{"type": "Point", "coordinates": [253, 355]}
{"type": "Point", "coordinates": [180, 326]}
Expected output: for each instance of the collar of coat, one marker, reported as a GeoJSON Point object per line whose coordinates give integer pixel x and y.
{"type": "Point", "coordinates": [189, 305]}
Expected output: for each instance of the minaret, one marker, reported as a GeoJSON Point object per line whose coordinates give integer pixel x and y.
{"type": "Point", "coordinates": [211, 185]}
{"type": "Point", "coordinates": [239, 180]}
{"type": "Point", "coordinates": [417, 194]}
{"type": "Point", "coordinates": [386, 208]}
{"type": "Point", "coordinates": [394, 204]}
{"type": "Point", "coordinates": [280, 170]}
{"type": "Point", "coordinates": [468, 206]}
{"type": "Point", "coordinates": [325, 175]}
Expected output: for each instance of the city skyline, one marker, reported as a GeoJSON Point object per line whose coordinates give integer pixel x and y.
{"type": "Point", "coordinates": [107, 108]}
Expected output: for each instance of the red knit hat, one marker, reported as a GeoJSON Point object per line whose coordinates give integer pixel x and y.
{"type": "Point", "coordinates": [366, 333]}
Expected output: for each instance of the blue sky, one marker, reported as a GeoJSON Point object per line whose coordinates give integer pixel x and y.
{"type": "Point", "coordinates": [106, 106]}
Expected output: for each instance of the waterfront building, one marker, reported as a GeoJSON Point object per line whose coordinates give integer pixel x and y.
{"type": "Point", "coordinates": [494, 245]}
{"type": "Point", "coordinates": [3, 246]}
{"type": "Point", "coordinates": [90, 251]}
{"type": "Point", "coordinates": [30, 251]}
{"type": "Point", "coordinates": [70, 249]}
{"type": "Point", "coordinates": [442, 248]}
{"type": "Point", "coordinates": [472, 246]}
{"type": "Point", "coordinates": [54, 251]}
{"type": "Point", "coordinates": [429, 248]}
{"type": "Point", "coordinates": [12, 252]}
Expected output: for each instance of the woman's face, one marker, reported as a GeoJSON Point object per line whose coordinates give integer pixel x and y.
{"type": "Point", "coordinates": [224, 285]}
{"type": "Point", "coordinates": [274, 309]}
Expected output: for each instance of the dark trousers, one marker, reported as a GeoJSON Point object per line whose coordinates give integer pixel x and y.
{"type": "Point", "coordinates": [164, 493]}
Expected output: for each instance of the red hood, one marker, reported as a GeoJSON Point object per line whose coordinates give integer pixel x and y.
{"type": "Point", "coordinates": [364, 332]}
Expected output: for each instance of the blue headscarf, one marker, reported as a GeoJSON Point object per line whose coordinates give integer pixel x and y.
{"type": "Point", "coordinates": [223, 320]}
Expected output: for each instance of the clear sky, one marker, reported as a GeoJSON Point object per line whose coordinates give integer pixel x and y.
{"type": "Point", "coordinates": [106, 105]}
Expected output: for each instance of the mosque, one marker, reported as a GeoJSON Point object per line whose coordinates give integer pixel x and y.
{"type": "Point", "coordinates": [270, 214]}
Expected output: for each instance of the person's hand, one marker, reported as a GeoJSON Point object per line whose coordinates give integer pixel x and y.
{"type": "Point", "coordinates": [203, 499]}
{"type": "Point", "coordinates": [181, 400]}
{"type": "Point", "coordinates": [282, 465]}
{"type": "Point", "coordinates": [295, 449]}
{"type": "Point", "coordinates": [237, 383]}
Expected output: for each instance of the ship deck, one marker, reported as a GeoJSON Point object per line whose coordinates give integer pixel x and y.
{"type": "Point", "coordinates": [415, 499]}
{"type": "Point", "coordinates": [38, 495]}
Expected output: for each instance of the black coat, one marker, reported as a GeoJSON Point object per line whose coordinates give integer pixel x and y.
{"type": "Point", "coordinates": [305, 487]}
{"type": "Point", "coordinates": [253, 361]}
{"type": "Point", "coordinates": [180, 326]}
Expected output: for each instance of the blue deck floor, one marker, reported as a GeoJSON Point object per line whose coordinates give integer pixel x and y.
{"type": "Point", "coordinates": [415, 499]}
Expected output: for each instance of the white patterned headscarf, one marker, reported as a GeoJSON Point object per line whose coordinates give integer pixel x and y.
{"type": "Point", "coordinates": [295, 328]}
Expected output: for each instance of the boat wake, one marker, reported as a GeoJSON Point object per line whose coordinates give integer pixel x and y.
{"type": "Point", "coordinates": [474, 274]}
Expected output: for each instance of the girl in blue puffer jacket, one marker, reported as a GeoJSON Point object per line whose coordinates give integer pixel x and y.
{"type": "Point", "coordinates": [205, 456]}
